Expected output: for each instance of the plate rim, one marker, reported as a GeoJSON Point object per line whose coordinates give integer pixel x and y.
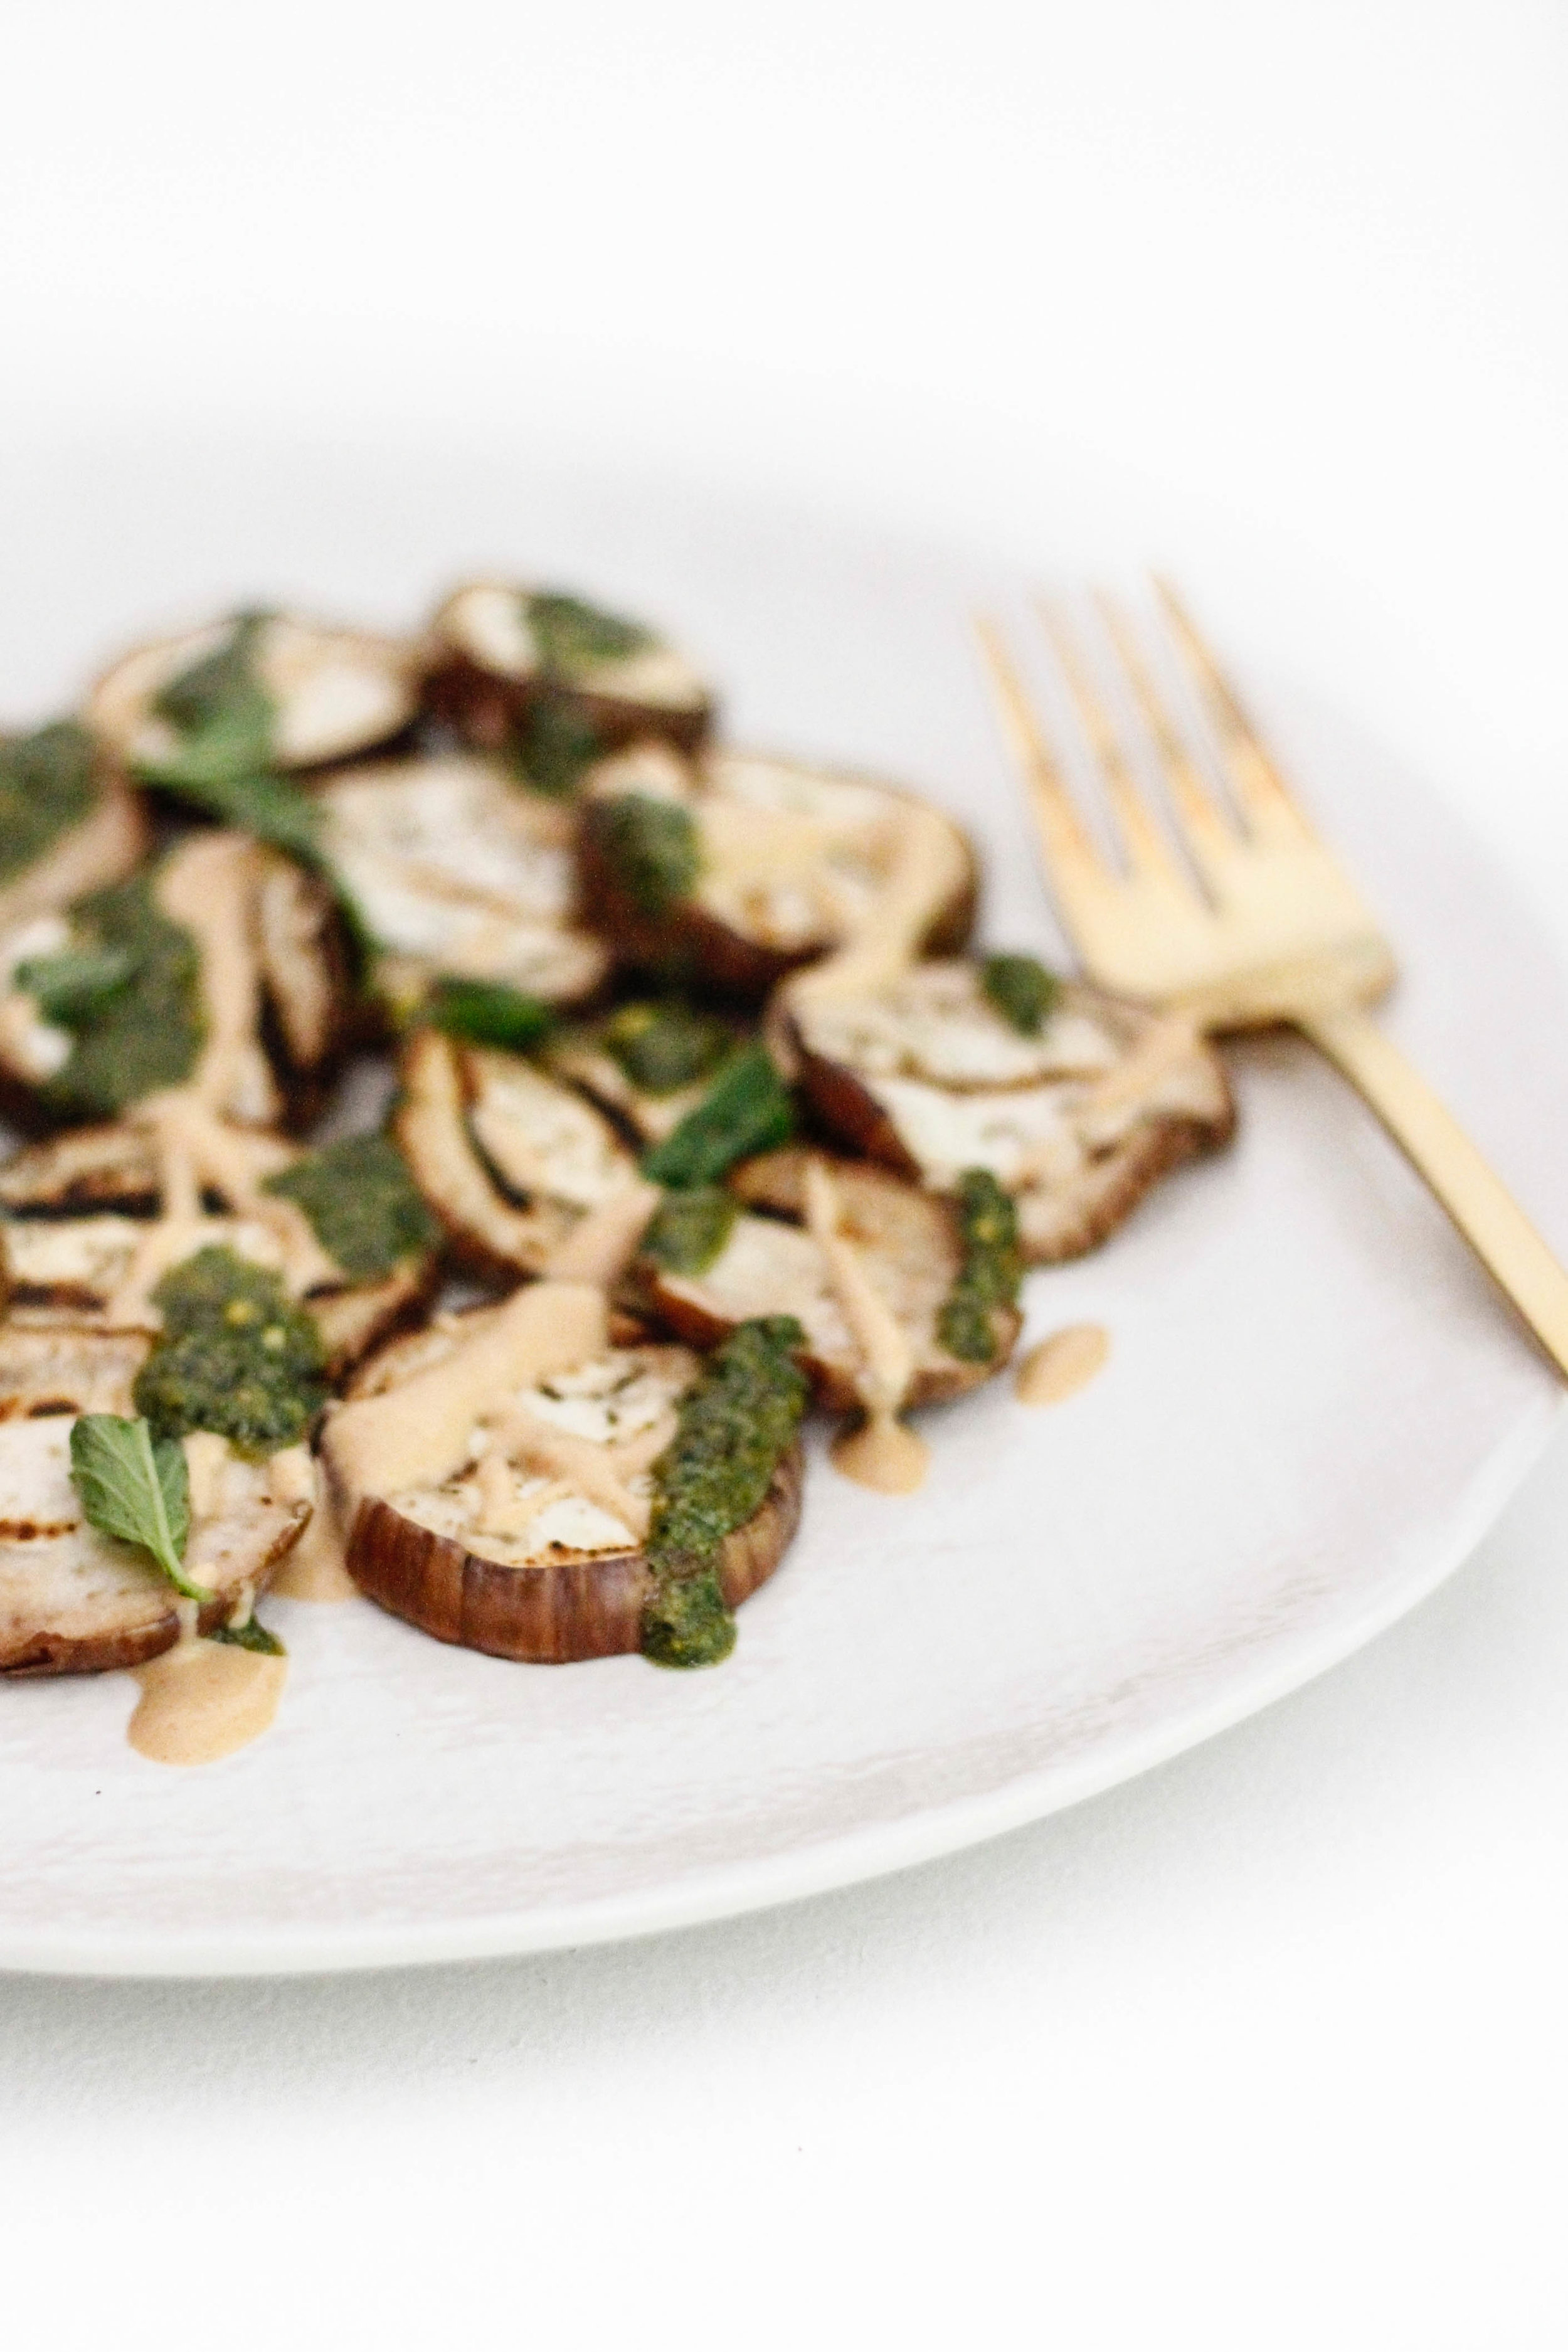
{"type": "Point", "coordinates": [856, 1857]}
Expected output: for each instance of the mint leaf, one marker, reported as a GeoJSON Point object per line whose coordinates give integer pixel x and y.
{"type": "Point", "coordinates": [486, 1012]}
{"type": "Point", "coordinates": [746, 1109]}
{"type": "Point", "coordinates": [135, 1489]}
{"type": "Point", "coordinates": [252, 1635]}
{"type": "Point", "coordinates": [71, 987]}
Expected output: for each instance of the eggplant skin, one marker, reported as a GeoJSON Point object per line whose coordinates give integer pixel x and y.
{"type": "Point", "coordinates": [556, 1612]}
{"type": "Point", "coordinates": [691, 946]}
{"type": "Point", "coordinates": [487, 709]}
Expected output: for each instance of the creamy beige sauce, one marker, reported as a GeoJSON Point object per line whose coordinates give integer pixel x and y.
{"type": "Point", "coordinates": [604, 1245]}
{"type": "Point", "coordinates": [210, 888]}
{"type": "Point", "coordinates": [1061, 1365]}
{"type": "Point", "coordinates": [929, 868]}
{"type": "Point", "coordinates": [202, 1700]}
{"type": "Point", "coordinates": [884, 1453]}
{"type": "Point", "coordinates": [315, 1568]}
{"type": "Point", "coordinates": [419, 1433]}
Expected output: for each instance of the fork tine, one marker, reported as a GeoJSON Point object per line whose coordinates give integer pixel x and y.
{"type": "Point", "coordinates": [1072, 862]}
{"type": "Point", "coordinates": [1142, 841]}
{"type": "Point", "coordinates": [1208, 835]}
{"type": "Point", "coordinates": [1260, 790]}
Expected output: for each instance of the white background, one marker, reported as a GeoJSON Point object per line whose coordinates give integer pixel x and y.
{"type": "Point", "coordinates": [1268, 2049]}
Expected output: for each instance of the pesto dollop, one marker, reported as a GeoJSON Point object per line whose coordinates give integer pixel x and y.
{"type": "Point", "coordinates": [689, 1229]}
{"type": "Point", "coordinates": [991, 1272]}
{"type": "Point", "coordinates": [144, 1033]}
{"type": "Point", "coordinates": [236, 1355]}
{"type": "Point", "coordinates": [571, 636]}
{"type": "Point", "coordinates": [364, 1206]}
{"type": "Point", "coordinates": [736, 1424]}
{"type": "Point", "coordinates": [665, 1046]}
{"type": "Point", "coordinates": [555, 745]}
{"type": "Point", "coordinates": [1022, 989]}
{"type": "Point", "coordinates": [223, 764]}
{"type": "Point", "coordinates": [47, 786]}
{"type": "Point", "coordinates": [650, 846]}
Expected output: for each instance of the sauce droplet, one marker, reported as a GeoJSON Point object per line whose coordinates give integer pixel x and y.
{"type": "Point", "coordinates": [882, 1454]}
{"type": "Point", "coordinates": [202, 1700]}
{"type": "Point", "coordinates": [315, 1569]}
{"type": "Point", "coordinates": [1062, 1364]}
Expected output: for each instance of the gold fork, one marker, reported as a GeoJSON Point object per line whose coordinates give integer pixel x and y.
{"type": "Point", "coordinates": [1257, 924]}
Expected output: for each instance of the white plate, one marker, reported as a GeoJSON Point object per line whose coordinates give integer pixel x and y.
{"type": "Point", "coordinates": [1314, 1407]}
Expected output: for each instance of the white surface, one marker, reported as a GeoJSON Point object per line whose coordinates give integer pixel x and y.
{"type": "Point", "coordinates": [1266, 2048]}
{"type": "Point", "coordinates": [1314, 1406]}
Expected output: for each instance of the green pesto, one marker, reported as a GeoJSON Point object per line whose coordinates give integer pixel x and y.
{"type": "Point", "coordinates": [219, 707]}
{"type": "Point", "coordinates": [663, 1047]}
{"type": "Point", "coordinates": [364, 1206]}
{"type": "Point", "coordinates": [145, 1035]}
{"type": "Point", "coordinates": [486, 1012]}
{"type": "Point", "coordinates": [555, 746]}
{"type": "Point", "coordinates": [991, 1272]}
{"type": "Point", "coordinates": [223, 765]}
{"type": "Point", "coordinates": [47, 786]}
{"type": "Point", "coordinates": [76, 984]}
{"type": "Point", "coordinates": [252, 1635]}
{"type": "Point", "coordinates": [1022, 990]}
{"type": "Point", "coordinates": [747, 1108]}
{"type": "Point", "coordinates": [236, 1355]}
{"type": "Point", "coordinates": [571, 637]}
{"type": "Point", "coordinates": [737, 1422]}
{"type": "Point", "coordinates": [652, 847]}
{"type": "Point", "coordinates": [689, 1229]}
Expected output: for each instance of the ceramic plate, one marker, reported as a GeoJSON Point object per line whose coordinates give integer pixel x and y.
{"type": "Point", "coordinates": [1314, 1403]}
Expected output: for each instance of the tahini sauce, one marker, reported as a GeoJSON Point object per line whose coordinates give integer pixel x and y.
{"type": "Point", "coordinates": [1063, 1364]}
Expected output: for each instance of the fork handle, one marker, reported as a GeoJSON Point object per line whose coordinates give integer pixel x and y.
{"type": "Point", "coordinates": [1438, 1148]}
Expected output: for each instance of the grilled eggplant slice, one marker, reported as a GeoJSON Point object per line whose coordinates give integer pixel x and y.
{"type": "Point", "coordinates": [726, 875]}
{"type": "Point", "coordinates": [458, 873]}
{"type": "Point", "coordinates": [224, 949]}
{"type": "Point", "coordinates": [911, 1249]}
{"type": "Point", "coordinates": [68, 823]}
{"type": "Point", "coordinates": [553, 683]}
{"type": "Point", "coordinates": [518, 1529]}
{"type": "Point", "coordinates": [509, 1160]}
{"type": "Point", "coordinates": [75, 1601]}
{"type": "Point", "coordinates": [330, 693]}
{"type": "Point", "coordinates": [1076, 1116]}
{"type": "Point", "coordinates": [77, 1211]}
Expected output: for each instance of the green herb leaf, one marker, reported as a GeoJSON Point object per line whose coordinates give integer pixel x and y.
{"type": "Point", "coordinates": [486, 1012]}
{"type": "Point", "coordinates": [71, 988]}
{"type": "Point", "coordinates": [252, 1635]}
{"type": "Point", "coordinates": [1021, 989]}
{"type": "Point", "coordinates": [746, 1109]}
{"type": "Point", "coordinates": [689, 1230]}
{"type": "Point", "coordinates": [47, 786]}
{"type": "Point", "coordinates": [651, 845]}
{"type": "Point", "coordinates": [220, 706]}
{"type": "Point", "coordinates": [555, 746]}
{"type": "Point", "coordinates": [135, 1488]}
{"type": "Point", "coordinates": [364, 1206]}
{"type": "Point", "coordinates": [571, 637]}
{"type": "Point", "coordinates": [992, 1271]}
{"type": "Point", "coordinates": [663, 1047]}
